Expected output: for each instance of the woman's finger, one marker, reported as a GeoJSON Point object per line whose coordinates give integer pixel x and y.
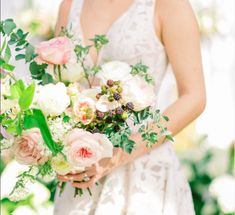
{"type": "Point", "coordinates": [84, 185]}
{"type": "Point", "coordinates": [80, 176]}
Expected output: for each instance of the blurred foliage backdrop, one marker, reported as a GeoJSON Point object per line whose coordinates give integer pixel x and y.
{"type": "Point", "coordinates": [206, 147]}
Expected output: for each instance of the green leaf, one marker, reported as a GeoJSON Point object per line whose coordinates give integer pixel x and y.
{"type": "Point", "coordinates": [47, 78]}
{"type": "Point", "coordinates": [17, 89]}
{"type": "Point", "coordinates": [29, 53]}
{"type": "Point", "coordinates": [6, 66]}
{"type": "Point", "coordinates": [27, 97]}
{"type": "Point", "coordinates": [8, 26]}
{"type": "Point", "coordinates": [37, 71]}
{"type": "Point", "coordinates": [66, 119]}
{"type": "Point", "coordinates": [7, 55]}
{"type": "Point", "coordinates": [169, 137]}
{"type": "Point", "coordinates": [37, 119]}
{"type": "Point", "coordinates": [19, 57]}
{"type": "Point", "coordinates": [3, 46]}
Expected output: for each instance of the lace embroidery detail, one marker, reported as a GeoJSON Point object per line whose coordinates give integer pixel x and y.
{"type": "Point", "coordinates": [153, 184]}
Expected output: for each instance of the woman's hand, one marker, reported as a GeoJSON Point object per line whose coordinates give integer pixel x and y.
{"type": "Point", "coordinates": [92, 174]}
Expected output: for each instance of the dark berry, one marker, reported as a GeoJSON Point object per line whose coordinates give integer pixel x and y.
{"type": "Point", "coordinates": [130, 106]}
{"type": "Point", "coordinates": [99, 114]}
{"type": "Point", "coordinates": [119, 110]}
{"type": "Point", "coordinates": [96, 130]}
{"type": "Point", "coordinates": [116, 128]}
{"type": "Point", "coordinates": [116, 96]}
{"type": "Point", "coordinates": [110, 83]}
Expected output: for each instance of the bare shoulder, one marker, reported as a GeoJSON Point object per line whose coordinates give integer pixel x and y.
{"type": "Point", "coordinates": [63, 15]}
{"type": "Point", "coordinates": [175, 15]}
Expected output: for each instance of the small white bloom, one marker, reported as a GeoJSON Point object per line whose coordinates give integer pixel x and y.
{"type": "Point", "coordinates": [58, 128]}
{"type": "Point", "coordinates": [223, 188]}
{"type": "Point", "coordinates": [53, 99]}
{"type": "Point", "coordinates": [114, 70]}
{"type": "Point", "coordinates": [139, 92]}
{"type": "Point", "coordinates": [60, 165]}
{"type": "Point", "coordinates": [104, 105]}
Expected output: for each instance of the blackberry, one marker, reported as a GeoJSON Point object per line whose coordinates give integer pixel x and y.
{"type": "Point", "coordinates": [119, 110]}
{"type": "Point", "coordinates": [116, 96]}
{"type": "Point", "coordinates": [130, 106]}
{"type": "Point", "coordinates": [96, 130]}
{"type": "Point", "coordinates": [116, 128]}
{"type": "Point", "coordinates": [110, 83]}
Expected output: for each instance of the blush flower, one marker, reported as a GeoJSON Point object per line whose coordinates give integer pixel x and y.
{"type": "Point", "coordinates": [139, 92]}
{"type": "Point", "coordinates": [56, 51]}
{"type": "Point", "coordinates": [84, 109]}
{"type": "Point", "coordinates": [29, 149]}
{"type": "Point", "coordinates": [84, 149]}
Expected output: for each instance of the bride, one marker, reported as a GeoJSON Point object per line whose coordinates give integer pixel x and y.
{"type": "Point", "coordinates": [156, 32]}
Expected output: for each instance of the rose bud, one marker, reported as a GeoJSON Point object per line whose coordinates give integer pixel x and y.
{"type": "Point", "coordinates": [99, 114]}
{"type": "Point", "coordinates": [116, 96]}
{"type": "Point", "coordinates": [130, 106]}
{"type": "Point", "coordinates": [119, 110]}
{"type": "Point", "coordinates": [110, 83]}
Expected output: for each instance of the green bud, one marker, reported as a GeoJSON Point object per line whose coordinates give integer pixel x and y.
{"type": "Point", "coordinates": [124, 116]}
{"type": "Point", "coordinates": [119, 89]}
{"type": "Point", "coordinates": [110, 98]}
{"type": "Point", "coordinates": [104, 89]}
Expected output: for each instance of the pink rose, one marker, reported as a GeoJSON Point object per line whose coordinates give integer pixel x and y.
{"type": "Point", "coordinates": [29, 149]}
{"type": "Point", "coordinates": [84, 149]}
{"type": "Point", "coordinates": [55, 51]}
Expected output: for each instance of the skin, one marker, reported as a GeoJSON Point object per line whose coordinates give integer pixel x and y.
{"type": "Point", "coordinates": [180, 36]}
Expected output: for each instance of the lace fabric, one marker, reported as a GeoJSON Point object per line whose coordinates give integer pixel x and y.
{"type": "Point", "coordinates": [153, 184]}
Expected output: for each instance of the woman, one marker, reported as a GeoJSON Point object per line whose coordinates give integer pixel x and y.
{"type": "Point", "coordinates": [149, 181]}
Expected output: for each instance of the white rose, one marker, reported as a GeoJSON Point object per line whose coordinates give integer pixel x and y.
{"type": "Point", "coordinates": [104, 105]}
{"type": "Point", "coordinates": [84, 149]}
{"type": "Point", "coordinates": [53, 99]}
{"type": "Point", "coordinates": [72, 73]}
{"type": "Point", "coordinates": [114, 70]}
{"type": "Point", "coordinates": [139, 92]}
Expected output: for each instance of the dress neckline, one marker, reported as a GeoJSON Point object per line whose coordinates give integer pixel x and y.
{"type": "Point", "coordinates": [108, 32]}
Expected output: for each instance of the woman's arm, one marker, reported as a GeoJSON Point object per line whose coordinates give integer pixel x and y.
{"type": "Point", "coordinates": [180, 36]}
{"type": "Point", "coordinates": [177, 27]}
{"type": "Point", "coordinates": [63, 15]}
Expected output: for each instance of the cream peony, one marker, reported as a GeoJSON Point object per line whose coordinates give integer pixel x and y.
{"type": "Point", "coordinates": [84, 149]}
{"type": "Point", "coordinates": [114, 70]}
{"type": "Point", "coordinates": [53, 99]}
{"type": "Point", "coordinates": [139, 92]}
{"type": "Point", "coordinates": [72, 72]}
{"type": "Point", "coordinates": [29, 149]}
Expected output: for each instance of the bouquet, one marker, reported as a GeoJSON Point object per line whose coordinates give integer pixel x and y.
{"type": "Point", "coordinates": [71, 114]}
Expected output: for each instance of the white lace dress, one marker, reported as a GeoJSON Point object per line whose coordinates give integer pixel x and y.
{"type": "Point", "coordinates": [153, 184]}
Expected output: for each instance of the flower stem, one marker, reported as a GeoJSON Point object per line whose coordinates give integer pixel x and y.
{"type": "Point", "coordinates": [78, 191]}
{"type": "Point", "coordinates": [59, 73]}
